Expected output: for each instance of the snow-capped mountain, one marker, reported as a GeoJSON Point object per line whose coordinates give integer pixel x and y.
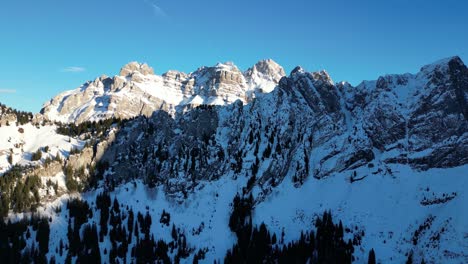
{"type": "Point", "coordinates": [424, 115]}
{"type": "Point", "coordinates": [388, 158]}
{"type": "Point", "coordinates": [138, 91]}
{"type": "Point", "coordinates": [308, 126]}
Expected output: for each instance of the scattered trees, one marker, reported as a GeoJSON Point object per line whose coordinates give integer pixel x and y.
{"type": "Point", "coordinates": [13, 246]}
{"type": "Point", "coordinates": [17, 193]}
{"type": "Point", "coordinates": [96, 128]}
{"type": "Point", "coordinates": [22, 117]}
{"type": "Point", "coordinates": [258, 245]}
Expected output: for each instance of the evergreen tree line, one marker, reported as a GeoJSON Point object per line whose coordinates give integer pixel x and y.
{"type": "Point", "coordinates": [71, 175]}
{"type": "Point", "coordinates": [82, 247]}
{"type": "Point", "coordinates": [131, 239]}
{"type": "Point", "coordinates": [94, 128]}
{"type": "Point", "coordinates": [22, 117]}
{"type": "Point", "coordinates": [16, 193]}
{"type": "Point", "coordinates": [126, 228]}
{"type": "Point", "coordinates": [14, 237]}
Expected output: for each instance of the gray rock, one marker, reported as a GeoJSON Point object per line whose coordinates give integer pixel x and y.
{"type": "Point", "coordinates": [82, 159]}
{"type": "Point", "coordinates": [134, 66]}
{"type": "Point", "coordinates": [49, 170]}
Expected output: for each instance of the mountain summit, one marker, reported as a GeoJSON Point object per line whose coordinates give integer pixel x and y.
{"type": "Point", "coordinates": [134, 66]}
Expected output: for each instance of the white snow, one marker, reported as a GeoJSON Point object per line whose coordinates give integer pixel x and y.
{"type": "Point", "coordinates": [22, 145]}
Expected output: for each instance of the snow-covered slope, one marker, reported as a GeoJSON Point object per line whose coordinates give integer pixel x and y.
{"type": "Point", "coordinates": [18, 143]}
{"type": "Point", "coordinates": [388, 209]}
{"type": "Point", "coordinates": [137, 91]}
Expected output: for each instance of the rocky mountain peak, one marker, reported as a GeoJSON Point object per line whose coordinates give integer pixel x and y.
{"type": "Point", "coordinates": [220, 70]}
{"type": "Point", "coordinates": [296, 70]}
{"type": "Point", "coordinates": [226, 66]}
{"type": "Point", "coordinates": [318, 78]}
{"type": "Point", "coordinates": [322, 77]}
{"type": "Point", "coordinates": [442, 65]}
{"type": "Point", "coordinates": [268, 67]}
{"type": "Point", "coordinates": [175, 75]}
{"type": "Point", "coordinates": [134, 66]}
{"type": "Point", "coordinates": [448, 72]}
{"type": "Point", "coordinates": [265, 74]}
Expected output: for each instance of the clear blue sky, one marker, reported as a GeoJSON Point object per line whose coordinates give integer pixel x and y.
{"type": "Point", "coordinates": [352, 40]}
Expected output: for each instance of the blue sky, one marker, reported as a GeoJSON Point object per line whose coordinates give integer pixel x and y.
{"type": "Point", "coordinates": [50, 46]}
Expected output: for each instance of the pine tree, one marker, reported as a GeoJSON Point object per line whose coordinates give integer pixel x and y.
{"type": "Point", "coordinates": [174, 233]}
{"type": "Point", "coordinates": [409, 260]}
{"type": "Point", "coordinates": [273, 239]}
{"type": "Point", "coordinates": [36, 155]}
{"type": "Point", "coordinates": [42, 236]}
{"type": "Point", "coordinates": [137, 234]}
{"type": "Point", "coordinates": [371, 257]}
{"type": "Point", "coordinates": [130, 221]}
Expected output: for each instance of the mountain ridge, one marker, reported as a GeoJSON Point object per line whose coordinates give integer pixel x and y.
{"type": "Point", "coordinates": [137, 91]}
{"type": "Point", "coordinates": [176, 90]}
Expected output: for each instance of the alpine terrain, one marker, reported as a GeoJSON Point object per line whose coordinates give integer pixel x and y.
{"type": "Point", "coordinates": [229, 166]}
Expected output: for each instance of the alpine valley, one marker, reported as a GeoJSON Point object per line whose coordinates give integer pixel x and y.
{"type": "Point", "coordinates": [229, 166]}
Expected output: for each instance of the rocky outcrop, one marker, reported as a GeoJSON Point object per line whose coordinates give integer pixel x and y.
{"type": "Point", "coordinates": [223, 82]}
{"type": "Point", "coordinates": [47, 170]}
{"type": "Point", "coordinates": [81, 159]}
{"type": "Point", "coordinates": [135, 67]}
{"type": "Point", "coordinates": [7, 119]}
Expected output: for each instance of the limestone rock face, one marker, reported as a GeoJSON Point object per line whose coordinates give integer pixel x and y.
{"type": "Point", "coordinates": [6, 119]}
{"type": "Point", "coordinates": [134, 67]}
{"type": "Point", "coordinates": [82, 159]}
{"type": "Point", "coordinates": [7, 116]}
{"type": "Point", "coordinates": [102, 146]}
{"type": "Point", "coordinates": [48, 170]}
{"type": "Point", "coordinates": [265, 70]}
{"type": "Point", "coordinates": [223, 83]}
{"type": "Point", "coordinates": [137, 91]}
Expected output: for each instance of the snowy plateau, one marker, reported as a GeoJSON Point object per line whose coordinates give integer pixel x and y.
{"type": "Point", "coordinates": [159, 160]}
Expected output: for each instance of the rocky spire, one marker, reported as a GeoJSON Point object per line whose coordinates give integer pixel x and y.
{"type": "Point", "coordinates": [267, 67]}
{"type": "Point", "coordinates": [134, 66]}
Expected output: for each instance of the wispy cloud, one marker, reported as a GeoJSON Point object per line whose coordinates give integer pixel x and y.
{"type": "Point", "coordinates": [73, 69]}
{"type": "Point", "coordinates": [157, 10]}
{"type": "Point", "coordinates": [7, 91]}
